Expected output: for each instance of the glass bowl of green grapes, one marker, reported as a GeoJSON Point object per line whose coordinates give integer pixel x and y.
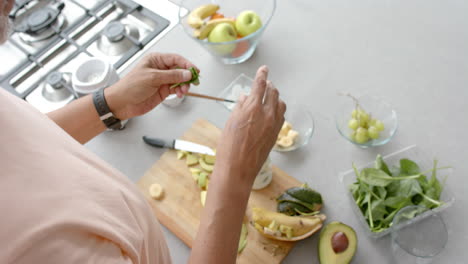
{"type": "Point", "coordinates": [367, 121]}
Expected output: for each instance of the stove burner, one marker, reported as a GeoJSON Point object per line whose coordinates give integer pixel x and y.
{"type": "Point", "coordinates": [114, 31]}
{"type": "Point", "coordinates": [54, 88]}
{"type": "Point", "coordinates": [41, 24]}
{"type": "Point", "coordinates": [115, 38]}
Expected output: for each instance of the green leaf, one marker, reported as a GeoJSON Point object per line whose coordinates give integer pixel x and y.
{"type": "Point", "coordinates": [375, 177]}
{"type": "Point", "coordinates": [378, 210]}
{"type": "Point", "coordinates": [408, 188]}
{"type": "Point", "coordinates": [195, 79]}
{"type": "Point", "coordinates": [397, 202]}
{"type": "Point", "coordinates": [381, 192]}
{"type": "Point", "coordinates": [395, 170]}
{"type": "Point", "coordinates": [381, 165]}
{"type": "Point", "coordinates": [409, 167]}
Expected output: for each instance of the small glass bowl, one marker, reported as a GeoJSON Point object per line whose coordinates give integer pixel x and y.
{"type": "Point", "coordinates": [302, 121]}
{"type": "Point", "coordinates": [424, 160]}
{"type": "Point", "coordinates": [239, 50]}
{"type": "Point", "coordinates": [296, 114]}
{"type": "Point", "coordinates": [378, 109]}
{"type": "Point", "coordinates": [417, 238]}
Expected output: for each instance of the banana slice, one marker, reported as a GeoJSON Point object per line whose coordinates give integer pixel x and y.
{"type": "Point", "coordinates": [285, 142]}
{"type": "Point", "coordinates": [156, 191]}
{"type": "Point", "coordinates": [195, 18]}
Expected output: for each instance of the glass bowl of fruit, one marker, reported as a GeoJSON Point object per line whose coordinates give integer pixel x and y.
{"type": "Point", "coordinates": [367, 121]}
{"type": "Point", "coordinates": [229, 30]}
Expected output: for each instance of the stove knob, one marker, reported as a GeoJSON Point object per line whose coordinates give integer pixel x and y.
{"type": "Point", "coordinates": [55, 80]}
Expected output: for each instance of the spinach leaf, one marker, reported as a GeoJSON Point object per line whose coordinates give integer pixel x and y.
{"type": "Point", "coordinates": [381, 192]}
{"type": "Point", "coordinates": [408, 188]}
{"type": "Point", "coordinates": [397, 201]}
{"type": "Point", "coordinates": [381, 165]}
{"type": "Point", "coordinates": [409, 167]}
{"type": "Point", "coordinates": [375, 177]}
{"type": "Point", "coordinates": [395, 171]}
{"type": "Point", "coordinates": [378, 210]}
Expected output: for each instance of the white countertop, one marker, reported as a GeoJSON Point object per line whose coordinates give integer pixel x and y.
{"type": "Point", "coordinates": [413, 53]}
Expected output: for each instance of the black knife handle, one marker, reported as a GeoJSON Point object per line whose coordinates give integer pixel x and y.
{"type": "Point", "coordinates": [159, 143]}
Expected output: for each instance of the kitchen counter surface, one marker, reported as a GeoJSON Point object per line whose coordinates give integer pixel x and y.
{"type": "Point", "coordinates": [412, 53]}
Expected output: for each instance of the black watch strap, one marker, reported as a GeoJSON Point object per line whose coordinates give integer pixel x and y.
{"type": "Point", "coordinates": [104, 112]}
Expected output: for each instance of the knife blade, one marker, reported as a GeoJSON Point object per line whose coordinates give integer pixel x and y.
{"type": "Point", "coordinates": [179, 145]}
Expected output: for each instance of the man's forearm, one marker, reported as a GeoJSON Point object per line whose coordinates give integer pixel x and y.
{"type": "Point", "coordinates": [220, 224]}
{"type": "Point", "coordinates": [79, 119]}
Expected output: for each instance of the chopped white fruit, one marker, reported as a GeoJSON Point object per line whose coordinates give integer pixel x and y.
{"type": "Point", "coordinates": [156, 191]}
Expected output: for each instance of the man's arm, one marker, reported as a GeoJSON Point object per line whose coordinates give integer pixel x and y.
{"type": "Point", "coordinates": [79, 119]}
{"type": "Point", "coordinates": [247, 139]}
{"type": "Point", "coordinates": [146, 86]}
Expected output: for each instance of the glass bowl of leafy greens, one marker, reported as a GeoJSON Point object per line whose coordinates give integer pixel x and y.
{"type": "Point", "coordinates": [379, 189]}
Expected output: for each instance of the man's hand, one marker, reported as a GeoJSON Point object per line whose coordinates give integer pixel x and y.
{"type": "Point", "coordinates": [147, 85]}
{"type": "Point", "coordinates": [247, 139]}
{"type": "Point", "coordinates": [252, 129]}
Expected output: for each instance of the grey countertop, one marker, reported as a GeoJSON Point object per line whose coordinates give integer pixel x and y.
{"type": "Point", "coordinates": [412, 53]}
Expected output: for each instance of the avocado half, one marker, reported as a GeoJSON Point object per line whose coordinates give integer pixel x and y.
{"type": "Point", "coordinates": [337, 244]}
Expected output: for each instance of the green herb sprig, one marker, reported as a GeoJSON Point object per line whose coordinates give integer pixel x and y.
{"type": "Point", "coordinates": [195, 79]}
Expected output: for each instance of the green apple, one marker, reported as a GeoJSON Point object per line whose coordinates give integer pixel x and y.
{"type": "Point", "coordinates": [223, 32]}
{"type": "Point", "coordinates": [248, 22]}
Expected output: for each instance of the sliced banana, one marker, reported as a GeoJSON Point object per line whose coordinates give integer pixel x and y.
{"type": "Point", "coordinates": [287, 136]}
{"type": "Point", "coordinates": [156, 191]}
{"type": "Point", "coordinates": [195, 18]}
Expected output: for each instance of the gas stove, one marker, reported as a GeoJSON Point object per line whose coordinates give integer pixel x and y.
{"type": "Point", "coordinates": [51, 37]}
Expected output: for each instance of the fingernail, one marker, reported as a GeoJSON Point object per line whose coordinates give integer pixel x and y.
{"type": "Point", "coordinates": [186, 75]}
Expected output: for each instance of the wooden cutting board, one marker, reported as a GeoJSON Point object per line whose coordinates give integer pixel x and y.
{"type": "Point", "coordinates": [180, 209]}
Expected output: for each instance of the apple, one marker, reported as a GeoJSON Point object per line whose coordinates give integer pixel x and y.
{"type": "Point", "coordinates": [248, 22]}
{"type": "Point", "coordinates": [222, 33]}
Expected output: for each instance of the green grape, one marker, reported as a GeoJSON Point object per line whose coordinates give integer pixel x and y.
{"type": "Point", "coordinates": [352, 136]}
{"type": "Point", "coordinates": [353, 124]}
{"type": "Point", "coordinates": [361, 135]}
{"type": "Point", "coordinates": [372, 122]}
{"type": "Point", "coordinates": [379, 125]}
{"type": "Point", "coordinates": [354, 114]}
{"type": "Point", "coordinates": [373, 132]}
{"type": "Point", "coordinates": [361, 138]}
{"type": "Point", "coordinates": [363, 116]}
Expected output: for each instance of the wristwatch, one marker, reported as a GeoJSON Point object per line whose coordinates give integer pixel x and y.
{"type": "Point", "coordinates": [105, 114]}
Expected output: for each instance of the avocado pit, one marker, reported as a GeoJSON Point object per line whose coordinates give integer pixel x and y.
{"type": "Point", "coordinates": [339, 242]}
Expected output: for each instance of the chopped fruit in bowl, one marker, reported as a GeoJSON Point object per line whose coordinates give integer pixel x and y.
{"type": "Point", "coordinates": [297, 130]}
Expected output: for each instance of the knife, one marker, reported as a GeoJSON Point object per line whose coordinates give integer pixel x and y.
{"type": "Point", "coordinates": [178, 144]}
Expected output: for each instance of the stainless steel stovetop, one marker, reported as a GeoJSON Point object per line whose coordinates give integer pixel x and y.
{"type": "Point", "coordinates": [52, 36]}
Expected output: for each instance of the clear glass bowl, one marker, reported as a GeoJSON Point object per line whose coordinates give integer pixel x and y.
{"type": "Point", "coordinates": [417, 239]}
{"type": "Point", "coordinates": [296, 114]}
{"type": "Point", "coordinates": [241, 49]}
{"type": "Point", "coordinates": [425, 162]}
{"type": "Point", "coordinates": [377, 108]}
{"type": "Point", "coordinates": [302, 121]}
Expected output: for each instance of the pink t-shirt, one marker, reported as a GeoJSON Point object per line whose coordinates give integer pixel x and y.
{"type": "Point", "coordinates": [60, 203]}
